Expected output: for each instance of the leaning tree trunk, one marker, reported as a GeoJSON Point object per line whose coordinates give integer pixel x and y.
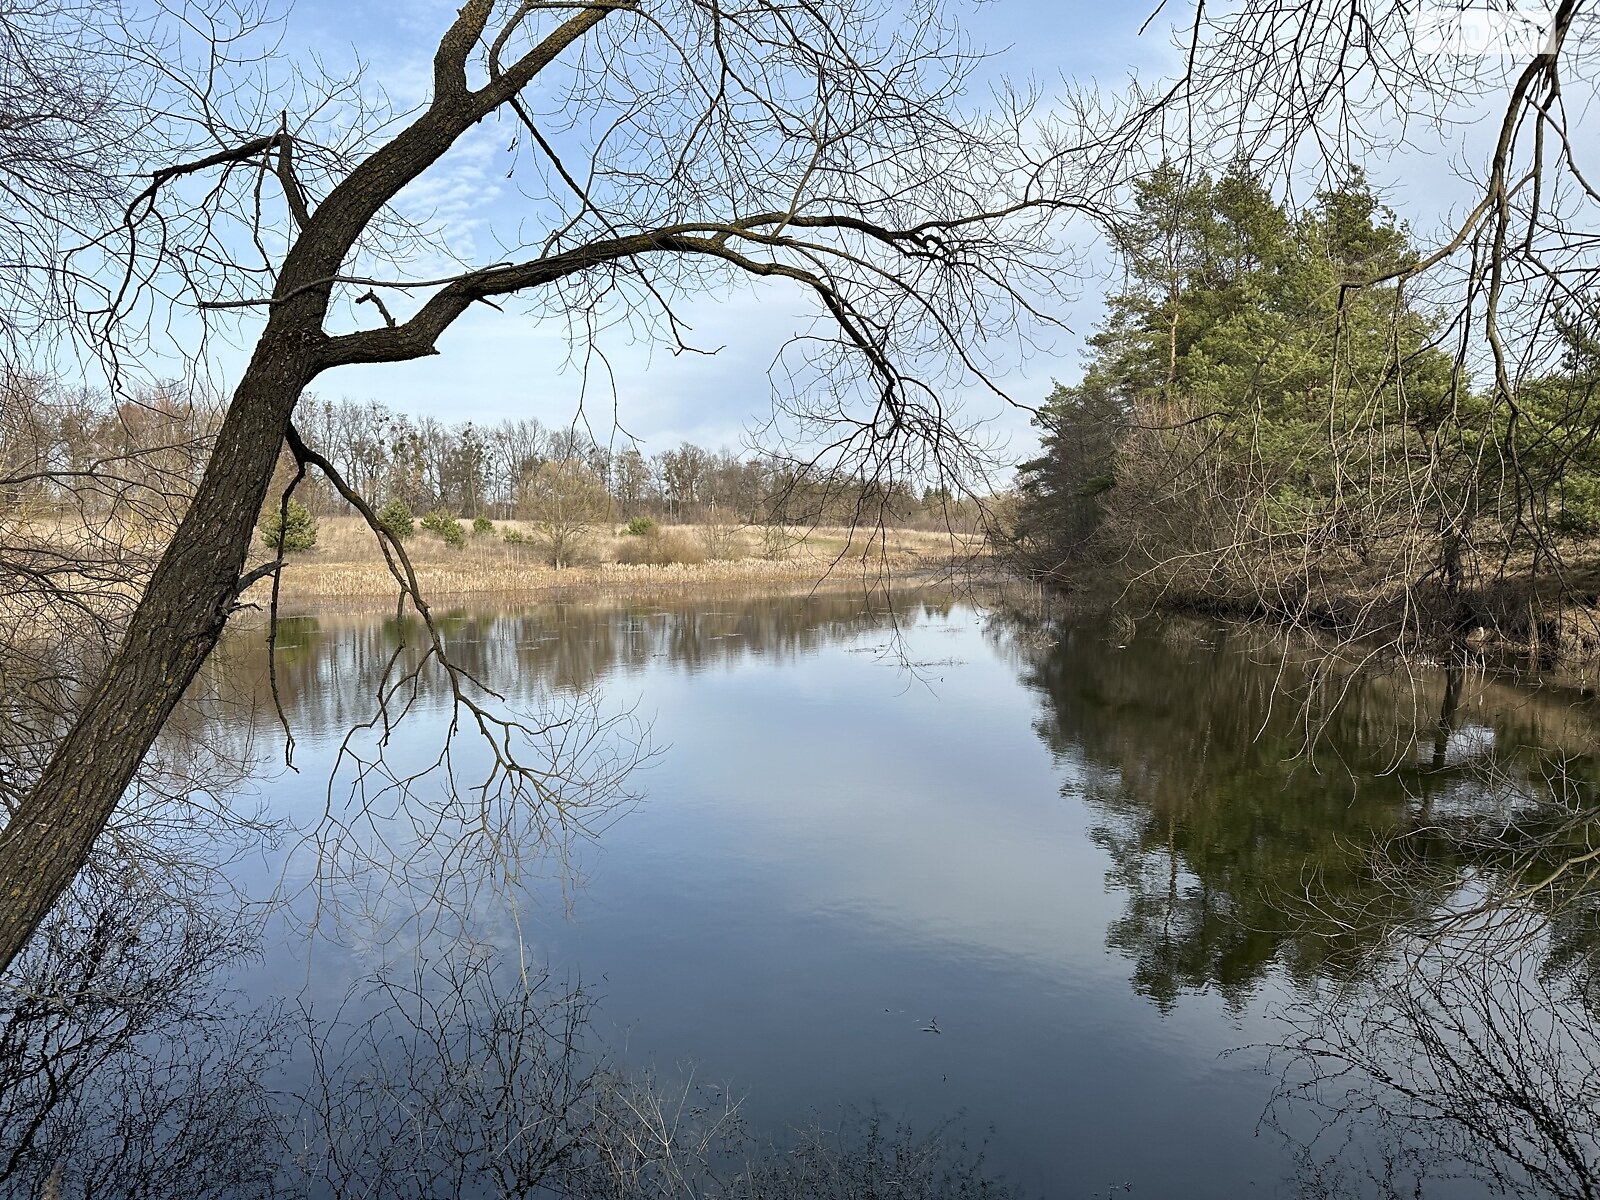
{"type": "Point", "coordinates": [187, 601]}
{"type": "Point", "coordinates": [173, 629]}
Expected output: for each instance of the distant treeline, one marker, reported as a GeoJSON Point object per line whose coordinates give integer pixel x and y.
{"type": "Point", "coordinates": [470, 470]}
{"type": "Point", "coordinates": [65, 450]}
{"type": "Point", "coordinates": [78, 449]}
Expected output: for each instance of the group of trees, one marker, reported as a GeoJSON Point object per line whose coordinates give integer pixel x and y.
{"type": "Point", "coordinates": [488, 470]}
{"type": "Point", "coordinates": [80, 450]}
{"type": "Point", "coordinates": [76, 448]}
{"type": "Point", "coordinates": [1274, 409]}
{"type": "Point", "coordinates": [1255, 432]}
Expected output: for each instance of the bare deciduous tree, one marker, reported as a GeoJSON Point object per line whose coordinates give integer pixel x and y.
{"type": "Point", "coordinates": [672, 146]}
{"type": "Point", "coordinates": [564, 501]}
{"type": "Point", "coordinates": [72, 113]}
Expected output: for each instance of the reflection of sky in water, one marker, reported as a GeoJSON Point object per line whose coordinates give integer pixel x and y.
{"type": "Point", "coordinates": [834, 850]}
{"type": "Point", "coordinates": [1456, 747]}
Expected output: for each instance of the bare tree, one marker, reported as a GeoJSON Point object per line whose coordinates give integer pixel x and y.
{"type": "Point", "coordinates": [564, 501]}
{"type": "Point", "coordinates": [71, 117]}
{"type": "Point", "coordinates": [809, 146]}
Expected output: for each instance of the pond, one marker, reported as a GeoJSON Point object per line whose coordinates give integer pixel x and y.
{"type": "Point", "coordinates": [1056, 888]}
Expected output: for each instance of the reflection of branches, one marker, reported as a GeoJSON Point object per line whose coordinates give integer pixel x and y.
{"type": "Point", "coordinates": [127, 1074]}
{"type": "Point", "coordinates": [420, 816]}
{"type": "Point", "coordinates": [462, 1081]}
{"type": "Point", "coordinates": [122, 1071]}
{"type": "Point", "coordinates": [1467, 1064]}
{"type": "Point", "coordinates": [1509, 857]}
{"type": "Point", "coordinates": [450, 1083]}
{"type": "Point", "coordinates": [866, 1155]}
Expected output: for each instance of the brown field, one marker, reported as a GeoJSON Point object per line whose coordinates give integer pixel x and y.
{"type": "Point", "coordinates": [346, 566]}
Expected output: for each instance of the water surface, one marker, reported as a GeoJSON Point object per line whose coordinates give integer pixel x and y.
{"type": "Point", "coordinates": [916, 855]}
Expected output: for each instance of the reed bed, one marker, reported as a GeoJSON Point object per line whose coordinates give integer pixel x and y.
{"type": "Point", "coordinates": [347, 566]}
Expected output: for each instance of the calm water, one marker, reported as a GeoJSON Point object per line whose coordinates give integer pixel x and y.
{"type": "Point", "coordinates": [1077, 859]}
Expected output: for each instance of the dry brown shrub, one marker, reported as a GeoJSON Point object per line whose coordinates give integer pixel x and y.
{"type": "Point", "coordinates": [661, 549]}
{"type": "Point", "coordinates": [777, 543]}
{"type": "Point", "coordinates": [721, 537]}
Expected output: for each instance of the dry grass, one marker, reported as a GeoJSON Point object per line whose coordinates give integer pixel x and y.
{"type": "Point", "coordinates": [346, 564]}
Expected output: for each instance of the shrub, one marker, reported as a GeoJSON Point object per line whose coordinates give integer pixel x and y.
{"type": "Point", "coordinates": [720, 536]}
{"type": "Point", "coordinates": [482, 526]}
{"type": "Point", "coordinates": [777, 543]}
{"type": "Point", "coordinates": [396, 517]}
{"type": "Point", "coordinates": [299, 531]}
{"type": "Point", "coordinates": [640, 527]}
{"type": "Point", "coordinates": [514, 537]}
{"type": "Point", "coordinates": [659, 549]}
{"type": "Point", "coordinates": [446, 526]}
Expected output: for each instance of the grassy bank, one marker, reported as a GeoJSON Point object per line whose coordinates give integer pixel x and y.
{"type": "Point", "coordinates": [346, 566]}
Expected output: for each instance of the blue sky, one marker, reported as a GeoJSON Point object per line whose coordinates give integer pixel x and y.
{"type": "Point", "coordinates": [494, 366]}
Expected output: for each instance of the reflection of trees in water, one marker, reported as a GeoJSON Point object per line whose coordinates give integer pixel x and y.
{"type": "Point", "coordinates": [468, 1081]}
{"type": "Point", "coordinates": [1261, 812]}
{"type": "Point", "coordinates": [1462, 1065]}
{"type": "Point", "coordinates": [329, 667]}
{"type": "Point", "coordinates": [123, 1071]}
{"type": "Point", "coordinates": [1411, 852]}
{"type": "Point", "coordinates": [430, 813]}
{"type": "Point", "coordinates": [127, 1069]}
{"type": "Point", "coordinates": [126, 1072]}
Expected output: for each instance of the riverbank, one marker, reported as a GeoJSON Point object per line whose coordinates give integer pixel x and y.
{"type": "Point", "coordinates": [1546, 628]}
{"type": "Point", "coordinates": [346, 568]}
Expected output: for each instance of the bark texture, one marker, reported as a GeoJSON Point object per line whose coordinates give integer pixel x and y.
{"type": "Point", "coordinates": [174, 628]}
{"type": "Point", "coordinates": [195, 586]}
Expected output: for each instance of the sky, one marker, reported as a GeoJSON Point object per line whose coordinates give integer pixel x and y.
{"type": "Point", "coordinates": [494, 366]}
